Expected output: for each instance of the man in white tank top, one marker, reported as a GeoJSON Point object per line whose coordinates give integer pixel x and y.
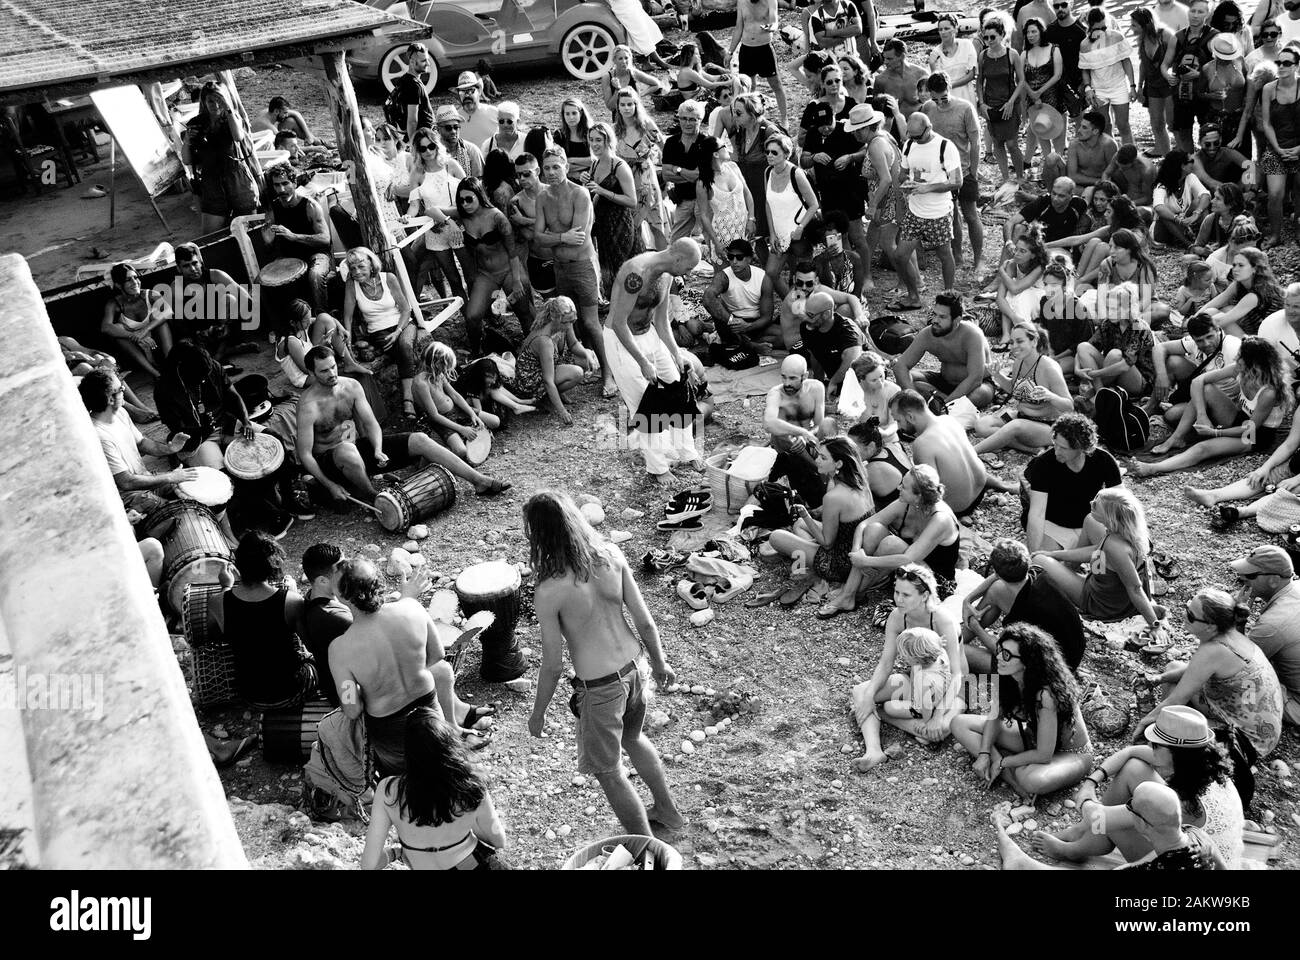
{"type": "Point", "coordinates": [740, 300]}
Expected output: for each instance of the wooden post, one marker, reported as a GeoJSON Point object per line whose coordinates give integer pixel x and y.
{"type": "Point", "coordinates": [352, 150]}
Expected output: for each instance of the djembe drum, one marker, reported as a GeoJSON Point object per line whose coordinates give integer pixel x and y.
{"type": "Point", "coordinates": [212, 488]}
{"type": "Point", "coordinates": [194, 548]}
{"type": "Point", "coordinates": [254, 459]}
{"type": "Point", "coordinates": [211, 660]}
{"type": "Point", "coordinates": [494, 586]}
{"type": "Point", "coordinates": [416, 498]}
{"type": "Point", "coordinates": [282, 272]}
{"type": "Point", "coordinates": [287, 735]}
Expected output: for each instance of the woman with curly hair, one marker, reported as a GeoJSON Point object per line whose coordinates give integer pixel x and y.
{"type": "Point", "coordinates": [1230, 422]}
{"type": "Point", "coordinates": [1228, 678]}
{"type": "Point", "coordinates": [1116, 548]}
{"type": "Point", "coordinates": [491, 242]}
{"type": "Point", "coordinates": [640, 143]}
{"type": "Point", "coordinates": [1124, 215]}
{"type": "Point", "coordinates": [440, 807]}
{"type": "Point", "coordinates": [1127, 262]}
{"type": "Point", "coordinates": [455, 422]}
{"type": "Point", "coordinates": [551, 360]}
{"type": "Point", "coordinates": [857, 80]}
{"type": "Point", "coordinates": [1181, 752]}
{"type": "Point", "coordinates": [1228, 203]}
{"type": "Point", "coordinates": [1035, 738]}
{"type": "Point", "coordinates": [916, 609]}
{"type": "Point", "coordinates": [1252, 295]}
{"type": "Point", "coordinates": [847, 503]}
{"type": "Point", "coordinates": [1179, 201]}
{"type": "Point", "coordinates": [918, 527]}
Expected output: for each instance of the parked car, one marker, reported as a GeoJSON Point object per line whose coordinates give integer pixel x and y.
{"type": "Point", "coordinates": [581, 36]}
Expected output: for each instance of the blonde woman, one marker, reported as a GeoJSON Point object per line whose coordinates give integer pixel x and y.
{"type": "Point", "coordinates": [551, 360]}
{"type": "Point", "coordinates": [386, 320]}
{"type": "Point", "coordinates": [1038, 392]}
{"type": "Point", "coordinates": [434, 175]}
{"type": "Point", "coordinates": [1116, 548]}
{"type": "Point", "coordinates": [641, 144]}
{"type": "Point", "coordinates": [454, 421]}
{"type": "Point", "coordinates": [614, 204]}
{"type": "Point", "coordinates": [791, 206]}
{"type": "Point", "coordinates": [622, 75]}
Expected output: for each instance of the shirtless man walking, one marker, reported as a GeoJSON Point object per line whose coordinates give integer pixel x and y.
{"type": "Point", "coordinates": [962, 351]}
{"type": "Point", "coordinates": [941, 442]}
{"type": "Point", "coordinates": [795, 416]}
{"type": "Point", "coordinates": [564, 218]}
{"type": "Point", "coordinates": [640, 348]}
{"type": "Point", "coordinates": [390, 662]}
{"type": "Point", "coordinates": [756, 22]}
{"type": "Point", "coordinates": [340, 441]}
{"type": "Point", "coordinates": [583, 586]}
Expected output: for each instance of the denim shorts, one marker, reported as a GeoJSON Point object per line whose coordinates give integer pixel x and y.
{"type": "Point", "coordinates": [608, 716]}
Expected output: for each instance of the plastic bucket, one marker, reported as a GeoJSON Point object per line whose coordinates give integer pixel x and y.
{"type": "Point", "coordinates": [655, 854]}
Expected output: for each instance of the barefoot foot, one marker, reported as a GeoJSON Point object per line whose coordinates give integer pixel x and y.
{"type": "Point", "coordinates": [1203, 497]}
{"type": "Point", "coordinates": [870, 759]}
{"type": "Point", "coordinates": [1051, 846]}
{"type": "Point", "coordinates": [669, 820]}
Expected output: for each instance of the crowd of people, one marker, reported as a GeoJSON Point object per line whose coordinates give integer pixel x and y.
{"type": "Point", "coordinates": [584, 227]}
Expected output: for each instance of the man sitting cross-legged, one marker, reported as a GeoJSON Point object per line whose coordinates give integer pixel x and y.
{"type": "Point", "coordinates": [962, 351]}
{"type": "Point", "coordinates": [942, 443]}
{"type": "Point", "coordinates": [740, 301]}
{"type": "Point", "coordinates": [390, 662]}
{"type": "Point", "coordinates": [795, 416]}
{"type": "Point", "coordinates": [340, 441]}
{"type": "Point", "coordinates": [1016, 594]}
{"type": "Point", "coordinates": [1178, 362]}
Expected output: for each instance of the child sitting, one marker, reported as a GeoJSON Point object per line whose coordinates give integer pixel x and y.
{"type": "Point", "coordinates": [877, 391]}
{"type": "Point", "coordinates": [921, 651]}
{"type": "Point", "coordinates": [1197, 290]}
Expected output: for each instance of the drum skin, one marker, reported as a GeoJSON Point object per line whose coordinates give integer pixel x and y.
{"type": "Point", "coordinates": [418, 497]}
{"type": "Point", "coordinates": [495, 586]}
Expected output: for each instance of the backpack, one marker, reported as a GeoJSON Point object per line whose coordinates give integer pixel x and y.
{"type": "Point", "coordinates": [892, 335]}
{"type": "Point", "coordinates": [732, 356]}
{"type": "Point", "coordinates": [394, 109]}
{"type": "Point", "coordinates": [1121, 424]}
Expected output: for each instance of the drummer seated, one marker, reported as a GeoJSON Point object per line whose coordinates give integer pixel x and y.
{"type": "Point", "coordinates": [296, 227]}
{"type": "Point", "coordinates": [125, 447]}
{"type": "Point", "coordinates": [195, 397]}
{"type": "Point", "coordinates": [260, 618]}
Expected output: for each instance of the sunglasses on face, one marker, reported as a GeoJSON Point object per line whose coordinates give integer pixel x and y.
{"type": "Point", "coordinates": [832, 82]}
{"type": "Point", "coordinates": [1286, 63]}
{"type": "Point", "coordinates": [464, 200]}
{"type": "Point", "coordinates": [426, 148]}
{"type": "Point", "coordinates": [1270, 35]}
{"type": "Point", "coordinates": [505, 122]}
{"type": "Point", "coordinates": [775, 153]}
{"type": "Point", "coordinates": [1005, 655]}
{"type": "Point", "coordinates": [453, 127]}
{"type": "Point", "coordinates": [805, 284]}
{"type": "Point", "coordinates": [737, 256]}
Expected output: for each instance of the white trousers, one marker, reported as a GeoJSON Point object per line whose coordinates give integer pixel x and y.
{"type": "Point", "coordinates": [661, 450]}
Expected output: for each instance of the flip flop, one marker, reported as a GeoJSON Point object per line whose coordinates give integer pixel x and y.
{"type": "Point", "coordinates": [484, 737]}
{"type": "Point", "coordinates": [764, 599]}
{"type": "Point", "coordinates": [669, 525]}
{"type": "Point", "coordinates": [609, 392]}
{"type": "Point", "coordinates": [898, 306]}
{"type": "Point", "coordinates": [795, 592]}
{"type": "Point", "coordinates": [495, 487]}
{"type": "Point", "coordinates": [828, 610]}
{"type": "Point", "coordinates": [476, 714]}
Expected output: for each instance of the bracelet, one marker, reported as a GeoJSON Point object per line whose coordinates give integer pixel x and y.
{"type": "Point", "coordinates": [985, 753]}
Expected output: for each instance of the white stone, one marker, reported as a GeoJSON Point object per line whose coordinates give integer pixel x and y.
{"type": "Point", "coordinates": [220, 732]}
{"type": "Point", "coordinates": [710, 731]}
{"type": "Point", "coordinates": [966, 860]}
{"type": "Point", "coordinates": [842, 661]}
{"type": "Point", "coordinates": [929, 782]}
{"type": "Point", "coordinates": [418, 532]}
{"type": "Point", "coordinates": [688, 747]}
{"type": "Point", "coordinates": [410, 546]}
{"type": "Point", "coordinates": [631, 513]}
{"type": "Point", "coordinates": [1021, 812]}
{"type": "Point", "coordinates": [698, 689]}
{"type": "Point", "coordinates": [1268, 816]}
{"type": "Point", "coordinates": [550, 834]}
{"type": "Point", "coordinates": [565, 830]}
{"type": "Point", "coordinates": [848, 749]}
{"type": "Point", "coordinates": [674, 687]}
{"type": "Point", "coordinates": [697, 736]}
{"type": "Point", "coordinates": [891, 780]}
{"type": "Point", "coordinates": [1014, 829]}
{"type": "Point", "coordinates": [1068, 804]}
{"type": "Point", "coordinates": [594, 513]}
{"type": "Point", "coordinates": [837, 784]}
{"type": "Point", "coordinates": [1030, 824]}
{"type": "Point", "coordinates": [399, 563]}
{"type": "Point", "coordinates": [590, 811]}
{"type": "Point", "coordinates": [619, 536]}
{"type": "Point", "coordinates": [659, 719]}
{"type": "Point", "coordinates": [418, 560]}
{"type": "Point", "coordinates": [701, 617]}
{"type": "Point", "coordinates": [1281, 768]}
{"type": "Point", "coordinates": [520, 684]}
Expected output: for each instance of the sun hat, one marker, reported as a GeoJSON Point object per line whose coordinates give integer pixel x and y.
{"type": "Point", "coordinates": [1224, 46]}
{"type": "Point", "coordinates": [1180, 726]}
{"type": "Point", "coordinates": [467, 79]}
{"type": "Point", "coordinates": [1046, 121]}
{"type": "Point", "coordinates": [863, 115]}
{"type": "Point", "coordinates": [445, 114]}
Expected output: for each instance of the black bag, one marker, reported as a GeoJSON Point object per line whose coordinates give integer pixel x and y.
{"type": "Point", "coordinates": [1244, 756]}
{"type": "Point", "coordinates": [776, 506]}
{"type": "Point", "coordinates": [732, 356]}
{"type": "Point", "coordinates": [891, 334]}
{"type": "Point", "coordinates": [1121, 423]}
{"type": "Point", "coordinates": [666, 405]}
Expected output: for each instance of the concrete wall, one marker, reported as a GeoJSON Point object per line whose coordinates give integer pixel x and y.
{"type": "Point", "coordinates": [127, 785]}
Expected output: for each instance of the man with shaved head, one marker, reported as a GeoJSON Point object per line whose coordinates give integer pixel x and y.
{"type": "Point", "coordinates": [796, 418]}
{"type": "Point", "coordinates": [1060, 213]}
{"type": "Point", "coordinates": [833, 340]}
{"type": "Point", "coordinates": [929, 175]}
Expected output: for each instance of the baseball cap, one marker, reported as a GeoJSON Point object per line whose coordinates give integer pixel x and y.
{"type": "Point", "coordinates": [445, 114]}
{"type": "Point", "coordinates": [741, 247]}
{"type": "Point", "coordinates": [1265, 558]}
{"type": "Point", "coordinates": [819, 114]}
{"type": "Point", "coordinates": [466, 80]}
{"type": "Point", "coordinates": [863, 115]}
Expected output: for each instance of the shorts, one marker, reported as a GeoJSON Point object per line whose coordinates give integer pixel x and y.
{"type": "Point", "coordinates": [397, 447]}
{"type": "Point", "coordinates": [929, 234]}
{"type": "Point", "coordinates": [1002, 131]}
{"type": "Point", "coordinates": [541, 274]}
{"type": "Point", "coordinates": [970, 189]}
{"type": "Point", "coordinates": [576, 279]}
{"type": "Point", "coordinates": [1291, 710]}
{"type": "Point", "coordinates": [1067, 537]}
{"type": "Point", "coordinates": [1117, 95]}
{"type": "Point", "coordinates": [444, 435]}
{"type": "Point", "coordinates": [447, 237]}
{"type": "Point", "coordinates": [1265, 437]}
{"type": "Point", "coordinates": [757, 61]}
{"type": "Point", "coordinates": [1272, 164]}
{"type": "Point", "coordinates": [608, 716]}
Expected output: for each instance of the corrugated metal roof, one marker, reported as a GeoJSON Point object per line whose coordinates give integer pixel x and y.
{"type": "Point", "coordinates": [45, 43]}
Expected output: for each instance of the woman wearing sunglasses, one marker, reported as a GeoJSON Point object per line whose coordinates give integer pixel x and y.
{"type": "Point", "coordinates": [491, 242]}
{"type": "Point", "coordinates": [1280, 124]}
{"type": "Point", "coordinates": [1228, 678]}
{"type": "Point", "coordinates": [916, 606]}
{"type": "Point", "coordinates": [1036, 740]}
{"type": "Point", "coordinates": [1181, 752]}
{"type": "Point", "coordinates": [434, 175]}
{"type": "Point", "coordinates": [791, 207]}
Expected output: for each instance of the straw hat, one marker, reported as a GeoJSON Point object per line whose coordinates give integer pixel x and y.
{"type": "Point", "coordinates": [1224, 46]}
{"type": "Point", "coordinates": [1046, 121]}
{"type": "Point", "coordinates": [1180, 726]}
{"type": "Point", "coordinates": [863, 115]}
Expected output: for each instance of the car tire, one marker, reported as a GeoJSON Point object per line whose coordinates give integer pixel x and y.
{"type": "Point", "coordinates": [587, 51]}
{"type": "Point", "coordinates": [393, 64]}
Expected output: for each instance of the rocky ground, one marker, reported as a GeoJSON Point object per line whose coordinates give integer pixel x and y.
{"type": "Point", "coordinates": [776, 787]}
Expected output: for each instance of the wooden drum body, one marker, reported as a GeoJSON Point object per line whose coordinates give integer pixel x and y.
{"type": "Point", "coordinates": [416, 498]}
{"type": "Point", "coordinates": [494, 586]}
{"type": "Point", "coordinates": [287, 735]}
{"type": "Point", "coordinates": [194, 551]}
{"type": "Point", "coordinates": [211, 660]}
